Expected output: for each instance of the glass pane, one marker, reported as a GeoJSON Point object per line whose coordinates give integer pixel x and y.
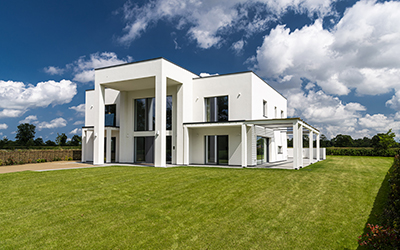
{"type": "Point", "coordinates": [140, 114]}
{"type": "Point", "coordinates": [169, 112]}
{"type": "Point", "coordinates": [223, 149]}
{"type": "Point", "coordinates": [222, 108]}
{"type": "Point", "coordinates": [110, 115]}
{"type": "Point", "coordinates": [169, 150]}
{"type": "Point", "coordinates": [140, 149]}
{"type": "Point", "coordinates": [260, 150]}
{"type": "Point", "coordinates": [211, 149]}
{"type": "Point", "coordinates": [151, 114]}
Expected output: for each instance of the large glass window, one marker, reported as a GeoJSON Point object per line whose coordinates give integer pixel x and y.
{"type": "Point", "coordinates": [110, 115]}
{"type": "Point", "coordinates": [217, 109]}
{"type": "Point", "coordinates": [217, 149]}
{"type": "Point", "coordinates": [262, 150]}
{"type": "Point", "coordinates": [144, 149]}
{"type": "Point", "coordinates": [145, 114]}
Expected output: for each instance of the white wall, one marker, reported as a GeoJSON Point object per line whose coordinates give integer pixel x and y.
{"type": "Point", "coordinates": [262, 91]}
{"type": "Point", "coordinates": [197, 147]}
{"type": "Point", "coordinates": [236, 86]}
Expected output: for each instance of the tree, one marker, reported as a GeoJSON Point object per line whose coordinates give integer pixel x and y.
{"type": "Point", "coordinates": [324, 142]}
{"type": "Point", "coordinates": [38, 142]}
{"type": "Point", "coordinates": [26, 132]}
{"type": "Point", "coordinates": [50, 143]}
{"type": "Point", "coordinates": [61, 140]}
{"type": "Point", "coordinates": [384, 141]}
{"type": "Point", "coordinates": [76, 140]}
{"type": "Point", "coordinates": [343, 141]}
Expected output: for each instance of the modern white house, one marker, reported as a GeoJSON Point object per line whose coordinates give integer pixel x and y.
{"type": "Point", "coordinates": [157, 113]}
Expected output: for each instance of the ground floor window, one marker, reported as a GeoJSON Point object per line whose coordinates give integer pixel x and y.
{"type": "Point", "coordinates": [217, 149]}
{"type": "Point", "coordinates": [262, 150]}
{"type": "Point", "coordinates": [144, 149]}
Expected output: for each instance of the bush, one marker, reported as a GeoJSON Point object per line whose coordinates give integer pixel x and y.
{"type": "Point", "coordinates": [379, 237]}
{"type": "Point", "coordinates": [361, 152]}
{"type": "Point", "coordinates": [387, 236]}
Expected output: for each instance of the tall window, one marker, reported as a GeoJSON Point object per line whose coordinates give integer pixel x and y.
{"type": "Point", "coordinates": [276, 112]}
{"type": "Point", "coordinates": [217, 109]}
{"type": "Point", "coordinates": [145, 114]}
{"type": "Point", "coordinates": [265, 109]}
{"type": "Point", "coordinates": [110, 115]}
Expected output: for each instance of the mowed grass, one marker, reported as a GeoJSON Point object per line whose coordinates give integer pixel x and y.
{"type": "Point", "coordinates": [323, 206]}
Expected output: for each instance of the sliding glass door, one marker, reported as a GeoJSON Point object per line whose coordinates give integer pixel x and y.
{"type": "Point", "coordinates": [217, 149]}
{"type": "Point", "coordinates": [262, 150]}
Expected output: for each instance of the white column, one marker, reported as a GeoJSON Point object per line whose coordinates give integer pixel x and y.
{"type": "Point", "coordinates": [98, 142]}
{"type": "Point", "coordinates": [83, 142]}
{"type": "Point", "coordinates": [161, 118]}
{"type": "Point", "coordinates": [295, 146]}
{"type": "Point", "coordinates": [244, 145]}
{"type": "Point", "coordinates": [185, 146]}
{"type": "Point", "coordinates": [178, 126]}
{"type": "Point", "coordinates": [318, 156]}
{"type": "Point", "coordinates": [310, 147]}
{"type": "Point", "coordinates": [108, 145]}
{"type": "Point", "coordinates": [300, 155]}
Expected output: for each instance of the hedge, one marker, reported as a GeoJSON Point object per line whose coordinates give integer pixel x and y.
{"type": "Point", "coordinates": [386, 235]}
{"type": "Point", "coordinates": [33, 156]}
{"type": "Point", "coordinates": [362, 152]}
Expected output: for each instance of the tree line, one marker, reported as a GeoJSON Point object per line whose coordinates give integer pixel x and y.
{"type": "Point", "coordinates": [25, 137]}
{"type": "Point", "coordinates": [378, 141]}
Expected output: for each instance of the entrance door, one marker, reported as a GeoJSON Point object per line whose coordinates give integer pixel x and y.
{"type": "Point", "coordinates": [144, 149]}
{"type": "Point", "coordinates": [217, 149]}
{"type": "Point", "coordinates": [262, 150]}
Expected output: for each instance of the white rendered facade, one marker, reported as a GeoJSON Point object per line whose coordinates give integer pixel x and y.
{"type": "Point", "coordinates": [160, 113]}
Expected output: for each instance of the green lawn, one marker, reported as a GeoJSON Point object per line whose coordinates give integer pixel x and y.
{"type": "Point", "coordinates": [323, 206]}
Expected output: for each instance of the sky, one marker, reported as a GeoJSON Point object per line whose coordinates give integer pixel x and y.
{"type": "Point", "coordinates": [336, 62]}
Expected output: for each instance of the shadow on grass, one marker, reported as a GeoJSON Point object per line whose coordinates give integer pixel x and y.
{"type": "Point", "coordinates": [375, 217]}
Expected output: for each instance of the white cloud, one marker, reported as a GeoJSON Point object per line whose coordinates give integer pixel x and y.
{"type": "Point", "coordinates": [16, 97]}
{"type": "Point", "coordinates": [56, 123]}
{"type": "Point", "coordinates": [29, 119]}
{"type": "Point", "coordinates": [79, 123]}
{"type": "Point", "coordinates": [361, 52]}
{"type": "Point", "coordinates": [11, 113]}
{"type": "Point", "coordinates": [76, 131]}
{"type": "Point", "coordinates": [53, 70]}
{"type": "Point", "coordinates": [80, 109]}
{"type": "Point", "coordinates": [84, 67]}
{"type": "Point", "coordinates": [3, 126]}
{"type": "Point", "coordinates": [394, 103]}
{"type": "Point", "coordinates": [208, 22]}
{"type": "Point", "coordinates": [238, 46]}
{"type": "Point", "coordinates": [207, 74]}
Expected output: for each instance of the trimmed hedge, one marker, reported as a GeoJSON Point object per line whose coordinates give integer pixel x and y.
{"type": "Point", "coordinates": [33, 156]}
{"type": "Point", "coordinates": [387, 235]}
{"type": "Point", "coordinates": [362, 152]}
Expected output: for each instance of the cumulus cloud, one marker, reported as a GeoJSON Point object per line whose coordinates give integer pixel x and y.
{"type": "Point", "coordinates": [16, 97]}
{"type": "Point", "coordinates": [51, 70]}
{"type": "Point", "coordinates": [83, 68]}
{"type": "Point", "coordinates": [80, 109]}
{"type": "Point", "coordinates": [394, 103]}
{"type": "Point", "coordinates": [360, 53]}
{"type": "Point", "coordinates": [76, 131]}
{"type": "Point", "coordinates": [79, 123]}
{"type": "Point", "coordinates": [56, 123]}
{"type": "Point", "coordinates": [11, 113]}
{"type": "Point", "coordinates": [3, 126]}
{"type": "Point", "coordinates": [29, 119]}
{"type": "Point", "coordinates": [209, 22]}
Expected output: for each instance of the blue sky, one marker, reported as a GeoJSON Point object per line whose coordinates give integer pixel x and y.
{"type": "Point", "coordinates": [337, 62]}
